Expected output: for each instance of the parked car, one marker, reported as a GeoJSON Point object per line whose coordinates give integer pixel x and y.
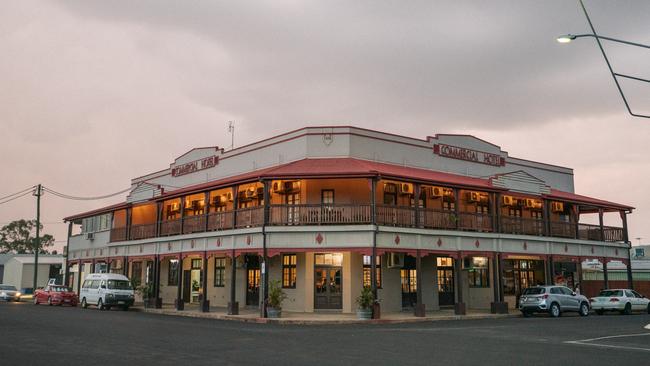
{"type": "Point", "coordinates": [55, 295]}
{"type": "Point", "coordinates": [553, 300]}
{"type": "Point", "coordinates": [9, 293]}
{"type": "Point", "coordinates": [105, 290]}
{"type": "Point", "coordinates": [623, 300]}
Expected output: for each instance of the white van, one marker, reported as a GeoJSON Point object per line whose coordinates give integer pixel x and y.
{"type": "Point", "coordinates": [105, 290]}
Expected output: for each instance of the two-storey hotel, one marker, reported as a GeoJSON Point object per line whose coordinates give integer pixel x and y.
{"type": "Point", "coordinates": [449, 220]}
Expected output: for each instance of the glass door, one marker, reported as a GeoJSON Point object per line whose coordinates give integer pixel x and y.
{"type": "Point", "coordinates": [328, 291]}
{"type": "Point", "coordinates": [446, 294]}
{"type": "Point", "coordinates": [252, 280]}
{"type": "Point", "coordinates": [409, 287]}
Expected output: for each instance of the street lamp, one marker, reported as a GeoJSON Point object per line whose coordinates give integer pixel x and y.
{"type": "Point", "coordinates": [567, 38]}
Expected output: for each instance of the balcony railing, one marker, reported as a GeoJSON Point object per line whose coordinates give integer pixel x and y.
{"type": "Point", "coordinates": [118, 234]}
{"type": "Point", "coordinates": [563, 229]}
{"type": "Point", "coordinates": [395, 216]}
{"type": "Point", "coordinates": [220, 220]}
{"type": "Point", "coordinates": [193, 224]}
{"type": "Point", "coordinates": [249, 217]}
{"type": "Point", "coordinates": [319, 214]}
{"type": "Point", "coordinates": [341, 214]}
{"type": "Point", "coordinates": [475, 222]}
{"type": "Point", "coordinates": [170, 227]}
{"type": "Point", "coordinates": [522, 226]}
{"type": "Point", "coordinates": [142, 231]}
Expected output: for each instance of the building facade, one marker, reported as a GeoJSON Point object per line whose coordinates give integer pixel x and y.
{"type": "Point", "coordinates": [449, 220]}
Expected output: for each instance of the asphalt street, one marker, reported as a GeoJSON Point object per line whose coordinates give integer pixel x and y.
{"type": "Point", "coordinates": [40, 335]}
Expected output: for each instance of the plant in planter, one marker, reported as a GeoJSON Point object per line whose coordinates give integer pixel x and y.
{"type": "Point", "coordinates": [365, 301]}
{"type": "Point", "coordinates": [146, 291]}
{"type": "Point", "coordinates": [276, 297]}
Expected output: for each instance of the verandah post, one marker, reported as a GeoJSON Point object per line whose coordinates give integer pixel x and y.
{"type": "Point", "coordinates": [205, 303]}
{"type": "Point", "coordinates": [626, 239]}
{"type": "Point", "coordinates": [180, 305]}
{"type": "Point", "coordinates": [373, 258]}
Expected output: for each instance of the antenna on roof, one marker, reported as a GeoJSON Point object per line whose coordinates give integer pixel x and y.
{"type": "Point", "coordinates": [231, 131]}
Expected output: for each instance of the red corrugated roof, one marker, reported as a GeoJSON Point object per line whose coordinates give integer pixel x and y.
{"type": "Point", "coordinates": [350, 167]}
{"type": "Point", "coordinates": [98, 211]}
{"type": "Point", "coordinates": [560, 195]}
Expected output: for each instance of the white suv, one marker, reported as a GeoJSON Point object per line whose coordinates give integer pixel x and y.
{"type": "Point", "coordinates": [552, 299]}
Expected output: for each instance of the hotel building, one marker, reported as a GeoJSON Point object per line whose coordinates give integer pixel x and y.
{"type": "Point", "coordinates": [444, 221]}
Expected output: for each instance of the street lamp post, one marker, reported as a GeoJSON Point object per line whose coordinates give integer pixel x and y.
{"type": "Point", "coordinates": [570, 37]}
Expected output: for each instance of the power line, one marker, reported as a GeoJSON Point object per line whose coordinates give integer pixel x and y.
{"type": "Point", "coordinates": [19, 192]}
{"type": "Point", "coordinates": [15, 198]}
{"type": "Point", "coordinates": [77, 198]}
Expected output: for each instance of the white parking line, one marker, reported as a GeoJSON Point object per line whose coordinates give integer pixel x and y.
{"type": "Point", "coordinates": [588, 342]}
{"type": "Point", "coordinates": [647, 326]}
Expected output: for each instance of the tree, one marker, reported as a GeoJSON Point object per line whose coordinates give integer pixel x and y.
{"type": "Point", "coordinates": [20, 237]}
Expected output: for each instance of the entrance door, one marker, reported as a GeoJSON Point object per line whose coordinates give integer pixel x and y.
{"type": "Point", "coordinates": [409, 287]}
{"type": "Point", "coordinates": [252, 280]}
{"type": "Point", "coordinates": [446, 295]}
{"type": "Point", "coordinates": [187, 285]}
{"type": "Point", "coordinates": [328, 291]}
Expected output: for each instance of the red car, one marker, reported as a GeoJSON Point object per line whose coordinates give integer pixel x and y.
{"type": "Point", "coordinates": [55, 295]}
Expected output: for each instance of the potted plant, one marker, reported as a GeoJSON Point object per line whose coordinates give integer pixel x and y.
{"type": "Point", "coordinates": [146, 291]}
{"type": "Point", "coordinates": [365, 301]}
{"type": "Point", "coordinates": [276, 296]}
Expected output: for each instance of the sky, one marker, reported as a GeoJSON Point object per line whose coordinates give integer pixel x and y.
{"type": "Point", "coordinates": [94, 93]}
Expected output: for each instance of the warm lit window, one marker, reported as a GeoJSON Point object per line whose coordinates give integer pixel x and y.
{"type": "Point", "coordinates": [196, 263]}
{"type": "Point", "coordinates": [219, 272]}
{"type": "Point", "coordinates": [289, 271]}
{"type": "Point", "coordinates": [478, 272]}
{"type": "Point", "coordinates": [367, 271]}
{"type": "Point", "coordinates": [172, 273]}
{"type": "Point", "coordinates": [329, 259]}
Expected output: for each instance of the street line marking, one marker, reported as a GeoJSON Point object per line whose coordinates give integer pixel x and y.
{"type": "Point", "coordinates": [586, 342]}
{"type": "Point", "coordinates": [647, 326]}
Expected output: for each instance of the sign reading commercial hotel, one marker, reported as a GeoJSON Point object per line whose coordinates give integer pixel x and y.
{"type": "Point", "coordinates": [195, 165]}
{"type": "Point", "coordinates": [462, 153]}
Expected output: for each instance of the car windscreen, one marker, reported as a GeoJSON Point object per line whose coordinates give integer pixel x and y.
{"type": "Point", "coordinates": [119, 285]}
{"type": "Point", "coordinates": [610, 293]}
{"type": "Point", "coordinates": [7, 287]}
{"type": "Point", "coordinates": [534, 291]}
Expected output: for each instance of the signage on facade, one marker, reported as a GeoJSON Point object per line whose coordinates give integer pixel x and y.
{"type": "Point", "coordinates": [462, 153]}
{"type": "Point", "coordinates": [194, 166]}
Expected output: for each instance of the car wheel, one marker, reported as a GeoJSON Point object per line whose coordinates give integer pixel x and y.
{"type": "Point", "coordinates": [100, 304]}
{"type": "Point", "coordinates": [526, 314]}
{"type": "Point", "coordinates": [35, 300]}
{"type": "Point", "coordinates": [84, 304]}
{"type": "Point", "coordinates": [648, 308]}
{"type": "Point", "coordinates": [627, 310]}
{"type": "Point", "coordinates": [126, 308]}
{"type": "Point", "coordinates": [554, 310]}
{"type": "Point", "coordinates": [584, 309]}
{"type": "Point", "coordinates": [49, 301]}
{"type": "Point", "coordinates": [600, 312]}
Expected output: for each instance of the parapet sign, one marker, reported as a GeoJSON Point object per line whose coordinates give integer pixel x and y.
{"type": "Point", "coordinates": [194, 166]}
{"type": "Point", "coordinates": [462, 153]}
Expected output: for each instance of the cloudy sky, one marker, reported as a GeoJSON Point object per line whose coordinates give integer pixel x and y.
{"type": "Point", "coordinates": [94, 93]}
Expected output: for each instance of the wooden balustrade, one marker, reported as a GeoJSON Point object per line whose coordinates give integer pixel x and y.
{"type": "Point", "coordinates": [118, 234]}
{"type": "Point", "coordinates": [142, 231]}
{"type": "Point", "coordinates": [193, 224]}
{"type": "Point", "coordinates": [220, 220]}
{"type": "Point", "coordinates": [171, 227]}
{"type": "Point", "coordinates": [340, 214]}
{"type": "Point", "coordinates": [319, 214]}
{"type": "Point", "coordinates": [249, 217]}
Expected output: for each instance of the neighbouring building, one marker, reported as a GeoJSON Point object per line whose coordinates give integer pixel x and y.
{"type": "Point", "coordinates": [18, 270]}
{"type": "Point", "coordinates": [448, 220]}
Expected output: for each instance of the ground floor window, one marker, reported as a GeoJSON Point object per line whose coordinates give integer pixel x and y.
{"type": "Point", "coordinates": [219, 272]}
{"type": "Point", "coordinates": [520, 274]}
{"type": "Point", "coordinates": [172, 273]}
{"type": "Point", "coordinates": [367, 270]}
{"type": "Point", "coordinates": [289, 271]}
{"type": "Point", "coordinates": [479, 272]}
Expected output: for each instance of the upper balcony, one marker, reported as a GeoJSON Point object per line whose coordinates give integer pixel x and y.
{"type": "Point", "coordinates": [351, 202]}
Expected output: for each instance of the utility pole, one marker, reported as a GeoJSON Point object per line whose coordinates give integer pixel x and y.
{"type": "Point", "coordinates": [37, 246]}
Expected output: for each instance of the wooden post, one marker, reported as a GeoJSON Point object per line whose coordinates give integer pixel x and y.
{"type": "Point", "coordinates": [180, 305]}
{"type": "Point", "coordinates": [547, 217]}
{"type": "Point", "coordinates": [496, 211]}
{"type": "Point", "coordinates": [206, 210]}
{"type": "Point", "coordinates": [205, 303]}
{"type": "Point", "coordinates": [600, 222]}
{"type": "Point", "coordinates": [158, 300]}
{"type": "Point", "coordinates": [457, 207]}
{"type": "Point", "coordinates": [550, 271]}
{"type": "Point", "coordinates": [576, 217]}
{"type": "Point", "coordinates": [416, 192]}
{"type": "Point", "coordinates": [376, 311]}
{"type": "Point", "coordinates": [159, 209]}
{"type": "Point", "coordinates": [459, 306]}
{"type": "Point", "coordinates": [420, 310]}
{"type": "Point", "coordinates": [66, 280]}
{"type": "Point", "coordinates": [626, 239]}
{"type": "Point", "coordinates": [265, 257]}
{"type": "Point", "coordinates": [233, 305]}
{"type": "Point", "coordinates": [605, 274]}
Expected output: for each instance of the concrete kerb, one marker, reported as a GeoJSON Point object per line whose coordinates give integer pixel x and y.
{"type": "Point", "coordinates": [303, 321]}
